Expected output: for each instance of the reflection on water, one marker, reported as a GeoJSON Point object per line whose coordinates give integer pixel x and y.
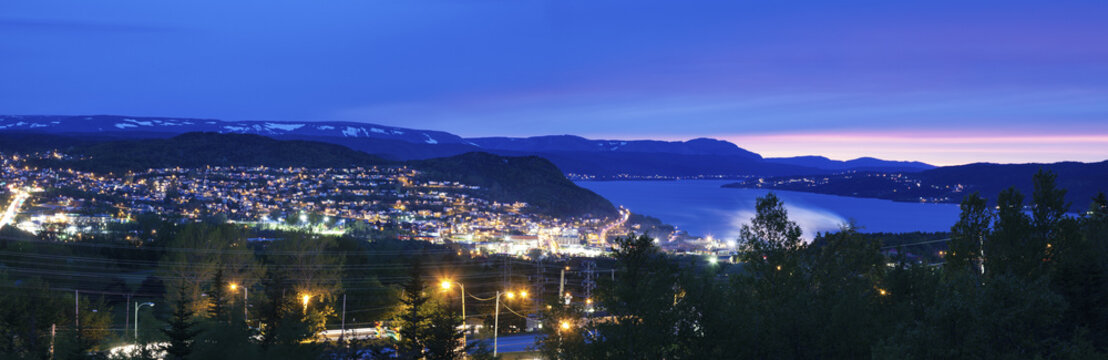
{"type": "Point", "coordinates": [702, 207]}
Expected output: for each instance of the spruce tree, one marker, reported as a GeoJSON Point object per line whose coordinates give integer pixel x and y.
{"type": "Point", "coordinates": [413, 321]}
{"type": "Point", "coordinates": [444, 334]}
{"type": "Point", "coordinates": [180, 331]}
{"type": "Point", "coordinates": [218, 309]}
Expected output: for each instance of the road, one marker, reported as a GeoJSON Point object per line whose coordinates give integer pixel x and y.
{"type": "Point", "coordinates": [13, 206]}
{"type": "Point", "coordinates": [624, 215]}
{"type": "Point", "coordinates": [511, 344]}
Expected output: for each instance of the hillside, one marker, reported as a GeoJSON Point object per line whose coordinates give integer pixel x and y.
{"type": "Point", "coordinates": [204, 149]}
{"type": "Point", "coordinates": [948, 184]}
{"type": "Point", "coordinates": [530, 179]}
{"type": "Point", "coordinates": [507, 179]}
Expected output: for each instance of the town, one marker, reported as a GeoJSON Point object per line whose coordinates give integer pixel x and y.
{"type": "Point", "coordinates": [392, 200]}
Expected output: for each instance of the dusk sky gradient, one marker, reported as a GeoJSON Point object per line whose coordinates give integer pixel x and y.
{"type": "Point", "coordinates": [945, 82]}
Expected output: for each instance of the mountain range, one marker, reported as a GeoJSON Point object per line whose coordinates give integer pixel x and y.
{"type": "Point", "coordinates": [572, 154]}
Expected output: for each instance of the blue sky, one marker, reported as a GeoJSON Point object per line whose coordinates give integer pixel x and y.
{"type": "Point", "coordinates": [940, 81]}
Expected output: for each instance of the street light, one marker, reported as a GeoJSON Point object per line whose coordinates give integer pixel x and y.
{"type": "Point", "coordinates": [304, 299]}
{"type": "Point", "coordinates": [465, 326]}
{"type": "Point", "coordinates": [565, 325]}
{"type": "Point", "coordinates": [245, 300]}
{"type": "Point", "coordinates": [137, 307]}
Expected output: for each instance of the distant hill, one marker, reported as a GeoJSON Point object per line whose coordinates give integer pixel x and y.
{"type": "Point", "coordinates": [572, 154]}
{"type": "Point", "coordinates": [204, 149]}
{"type": "Point", "coordinates": [859, 164]}
{"type": "Point", "coordinates": [571, 143]}
{"type": "Point", "coordinates": [530, 179]}
{"type": "Point", "coordinates": [948, 184]}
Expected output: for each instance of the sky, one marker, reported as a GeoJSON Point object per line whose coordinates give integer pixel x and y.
{"type": "Point", "coordinates": [945, 82]}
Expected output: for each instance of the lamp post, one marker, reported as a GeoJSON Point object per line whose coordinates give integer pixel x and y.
{"type": "Point", "coordinates": [496, 323]}
{"type": "Point", "coordinates": [465, 325]}
{"type": "Point", "coordinates": [137, 307]}
{"type": "Point", "coordinates": [245, 300]}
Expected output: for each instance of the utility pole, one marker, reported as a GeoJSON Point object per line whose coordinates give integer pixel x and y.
{"type": "Point", "coordinates": [562, 283]}
{"type": "Point", "coordinates": [54, 334]}
{"type": "Point", "coordinates": [590, 279]}
{"type": "Point", "coordinates": [76, 309]}
{"type": "Point", "coordinates": [343, 316]}
{"type": "Point", "coordinates": [496, 326]}
{"type": "Point", "coordinates": [127, 315]}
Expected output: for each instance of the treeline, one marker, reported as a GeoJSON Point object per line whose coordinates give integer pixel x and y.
{"type": "Point", "coordinates": [1015, 285]}
{"type": "Point", "coordinates": [216, 295]}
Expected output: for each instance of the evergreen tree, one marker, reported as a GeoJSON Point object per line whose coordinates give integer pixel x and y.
{"type": "Point", "coordinates": [180, 331]}
{"type": "Point", "coordinates": [413, 320]}
{"type": "Point", "coordinates": [444, 334]}
{"type": "Point", "coordinates": [218, 308]}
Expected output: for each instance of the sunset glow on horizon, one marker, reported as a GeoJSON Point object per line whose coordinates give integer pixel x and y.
{"type": "Point", "coordinates": [934, 148]}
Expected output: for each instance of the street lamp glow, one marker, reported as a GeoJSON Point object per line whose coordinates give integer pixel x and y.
{"type": "Point", "coordinates": [712, 260]}
{"type": "Point", "coordinates": [511, 295]}
{"type": "Point", "coordinates": [588, 301]}
{"type": "Point", "coordinates": [234, 286]}
{"type": "Point", "coordinates": [565, 325]}
{"type": "Point", "coordinates": [882, 292]}
{"type": "Point", "coordinates": [523, 294]}
{"type": "Point", "coordinates": [445, 284]}
{"type": "Point", "coordinates": [304, 299]}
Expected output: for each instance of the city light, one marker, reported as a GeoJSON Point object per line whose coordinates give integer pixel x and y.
{"type": "Point", "coordinates": [565, 325]}
{"type": "Point", "coordinates": [511, 295]}
{"type": "Point", "coordinates": [445, 284]}
{"type": "Point", "coordinates": [713, 260]}
{"type": "Point", "coordinates": [304, 299]}
{"type": "Point", "coordinates": [234, 286]}
{"type": "Point", "coordinates": [882, 292]}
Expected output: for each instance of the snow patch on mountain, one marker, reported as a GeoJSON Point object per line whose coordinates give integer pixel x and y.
{"type": "Point", "coordinates": [137, 122]}
{"type": "Point", "coordinates": [285, 127]}
{"type": "Point", "coordinates": [352, 131]}
{"type": "Point", "coordinates": [431, 140]}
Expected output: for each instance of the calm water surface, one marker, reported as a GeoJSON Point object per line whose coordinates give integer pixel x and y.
{"type": "Point", "coordinates": [702, 207]}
